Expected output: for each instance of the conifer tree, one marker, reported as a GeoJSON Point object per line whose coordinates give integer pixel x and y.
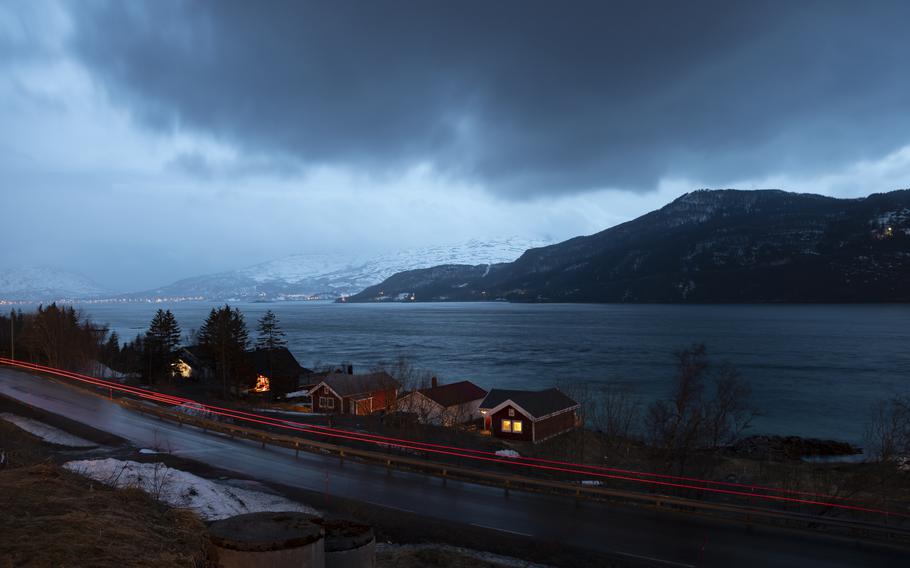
{"type": "Point", "coordinates": [271, 336]}
{"type": "Point", "coordinates": [224, 336]}
{"type": "Point", "coordinates": [161, 342]}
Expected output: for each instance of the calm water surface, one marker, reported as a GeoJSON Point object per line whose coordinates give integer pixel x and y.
{"type": "Point", "coordinates": [815, 370]}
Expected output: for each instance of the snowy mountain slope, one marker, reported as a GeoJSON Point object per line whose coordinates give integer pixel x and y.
{"type": "Point", "coordinates": [332, 275]}
{"type": "Point", "coordinates": [705, 246]}
{"type": "Point", "coordinates": [42, 284]}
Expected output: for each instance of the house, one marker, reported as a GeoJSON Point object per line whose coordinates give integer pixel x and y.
{"type": "Point", "coordinates": [445, 405]}
{"type": "Point", "coordinates": [339, 393]}
{"type": "Point", "coordinates": [277, 370]}
{"type": "Point", "coordinates": [194, 363]}
{"type": "Point", "coordinates": [528, 415]}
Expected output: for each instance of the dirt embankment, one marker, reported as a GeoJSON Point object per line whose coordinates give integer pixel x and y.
{"type": "Point", "coordinates": [52, 517]}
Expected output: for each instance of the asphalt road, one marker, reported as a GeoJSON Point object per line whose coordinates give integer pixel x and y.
{"type": "Point", "coordinates": [655, 538]}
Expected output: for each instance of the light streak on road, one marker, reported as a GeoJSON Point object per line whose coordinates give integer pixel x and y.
{"type": "Point", "coordinates": [647, 478]}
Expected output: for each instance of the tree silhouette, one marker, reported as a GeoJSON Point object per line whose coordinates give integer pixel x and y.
{"type": "Point", "coordinates": [224, 336]}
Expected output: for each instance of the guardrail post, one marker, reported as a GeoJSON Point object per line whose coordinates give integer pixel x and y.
{"type": "Point", "coordinates": [341, 456]}
{"type": "Point", "coordinates": [263, 442]}
{"type": "Point", "coordinates": [296, 449]}
{"type": "Point", "coordinates": [507, 488]}
{"type": "Point", "coordinates": [444, 480]}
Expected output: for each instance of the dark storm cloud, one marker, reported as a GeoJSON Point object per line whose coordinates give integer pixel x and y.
{"type": "Point", "coordinates": [523, 97]}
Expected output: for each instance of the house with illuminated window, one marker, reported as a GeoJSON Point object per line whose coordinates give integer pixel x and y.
{"type": "Point", "coordinates": [532, 416]}
{"type": "Point", "coordinates": [342, 393]}
{"type": "Point", "coordinates": [277, 371]}
{"type": "Point", "coordinates": [194, 363]}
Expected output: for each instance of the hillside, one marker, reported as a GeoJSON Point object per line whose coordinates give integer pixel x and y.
{"type": "Point", "coordinates": [42, 284]}
{"type": "Point", "coordinates": [323, 275]}
{"type": "Point", "coordinates": [706, 246]}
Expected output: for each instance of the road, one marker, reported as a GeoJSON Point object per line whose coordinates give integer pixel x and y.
{"type": "Point", "coordinates": [644, 535]}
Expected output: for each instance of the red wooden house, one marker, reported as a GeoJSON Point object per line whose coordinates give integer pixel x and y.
{"type": "Point", "coordinates": [339, 393]}
{"type": "Point", "coordinates": [532, 416]}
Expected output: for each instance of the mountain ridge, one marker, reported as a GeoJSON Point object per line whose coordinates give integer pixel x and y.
{"type": "Point", "coordinates": [705, 246]}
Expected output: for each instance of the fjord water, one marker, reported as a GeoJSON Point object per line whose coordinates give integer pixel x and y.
{"type": "Point", "coordinates": [815, 370]}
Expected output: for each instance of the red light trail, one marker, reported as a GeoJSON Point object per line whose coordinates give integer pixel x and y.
{"type": "Point", "coordinates": [659, 480]}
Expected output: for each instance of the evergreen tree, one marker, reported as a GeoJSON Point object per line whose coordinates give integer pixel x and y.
{"type": "Point", "coordinates": [225, 337]}
{"type": "Point", "coordinates": [270, 335]}
{"type": "Point", "coordinates": [161, 342]}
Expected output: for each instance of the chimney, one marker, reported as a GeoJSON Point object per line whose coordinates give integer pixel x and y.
{"type": "Point", "coordinates": [350, 369]}
{"type": "Point", "coordinates": [434, 382]}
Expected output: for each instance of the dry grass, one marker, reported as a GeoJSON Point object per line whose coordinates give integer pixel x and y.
{"type": "Point", "coordinates": [52, 517]}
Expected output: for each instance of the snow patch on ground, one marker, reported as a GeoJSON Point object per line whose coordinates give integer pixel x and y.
{"type": "Point", "coordinates": [289, 412]}
{"type": "Point", "coordinates": [147, 451]}
{"type": "Point", "coordinates": [209, 499]}
{"type": "Point", "coordinates": [298, 393]}
{"type": "Point", "coordinates": [476, 554]}
{"type": "Point", "coordinates": [591, 482]}
{"type": "Point", "coordinates": [47, 433]}
{"type": "Point", "coordinates": [196, 410]}
{"type": "Point", "coordinates": [508, 453]}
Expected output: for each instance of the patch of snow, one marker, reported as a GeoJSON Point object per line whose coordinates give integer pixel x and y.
{"type": "Point", "coordinates": [591, 482]}
{"type": "Point", "coordinates": [508, 453]}
{"type": "Point", "coordinates": [147, 451]}
{"type": "Point", "coordinates": [298, 393]}
{"type": "Point", "coordinates": [489, 557]}
{"type": "Point", "coordinates": [47, 433]}
{"type": "Point", "coordinates": [39, 283]}
{"type": "Point", "coordinates": [291, 412]}
{"type": "Point", "coordinates": [208, 499]}
{"type": "Point", "coordinates": [195, 409]}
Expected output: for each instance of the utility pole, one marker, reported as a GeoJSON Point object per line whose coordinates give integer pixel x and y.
{"type": "Point", "coordinates": [12, 337]}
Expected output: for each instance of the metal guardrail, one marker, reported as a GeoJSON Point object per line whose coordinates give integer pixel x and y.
{"type": "Point", "coordinates": [746, 514]}
{"type": "Point", "coordinates": [749, 515]}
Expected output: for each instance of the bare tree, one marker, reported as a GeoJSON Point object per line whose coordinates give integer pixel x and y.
{"type": "Point", "coordinates": [616, 415]}
{"type": "Point", "coordinates": [730, 411]}
{"type": "Point", "coordinates": [888, 435]}
{"type": "Point", "coordinates": [691, 420]}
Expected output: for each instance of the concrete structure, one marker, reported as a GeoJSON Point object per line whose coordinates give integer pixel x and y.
{"type": "Point", "coordinates": [348, 544]}
{"type": "Point", "coordinates": [276, 540]}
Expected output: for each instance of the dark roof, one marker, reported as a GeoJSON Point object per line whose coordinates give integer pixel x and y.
{"type": "Point", "coordinates": [197, 355]}
{"type": "Point", "coordinates": [347, 385]}
{"type": "Point", "coordinates": [283, 362]}
{"type": "Point", "coordinates": [454, 393]}
{"type": "Point", "coordinates": [538, 403]}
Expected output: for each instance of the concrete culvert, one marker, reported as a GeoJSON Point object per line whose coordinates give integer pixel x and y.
{"type": "Point", "coordinates": [276, 540]}
{"type": "Point", "coordinates": [348, 544]}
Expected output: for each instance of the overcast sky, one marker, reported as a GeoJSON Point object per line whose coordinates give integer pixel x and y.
{"type": "Point", "coordinates": [142, 142]}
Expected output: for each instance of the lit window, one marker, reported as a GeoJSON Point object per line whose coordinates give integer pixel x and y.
{"type": "Point", "coordinates": [262, 384]}
{"type": "Point", "coordinates": [506, 425]}
{"type": "Point", "coordinates": [183, 369]}
{"type": "Point", "coordinates": [516, 426]}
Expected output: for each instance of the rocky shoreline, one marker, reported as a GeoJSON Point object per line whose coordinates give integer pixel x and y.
{"type": "Point", "coordinates": [783, 448]}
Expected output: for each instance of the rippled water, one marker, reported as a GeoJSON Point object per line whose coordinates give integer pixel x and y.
{"type": "Point", "coordinates": [815, 370]}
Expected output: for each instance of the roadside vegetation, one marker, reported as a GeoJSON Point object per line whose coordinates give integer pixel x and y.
{"type": "Point", "coordinates": [702, 428]}
{"type": "Point", "coordinates": [53, 517]}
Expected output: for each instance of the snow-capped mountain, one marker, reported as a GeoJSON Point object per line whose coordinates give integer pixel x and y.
{"type": "Point", "coordinates": [43, 284]}
{"type": "Point", "coordinates": [323, 275]}
{"type": "Point", "coordinates": [706, 246]}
